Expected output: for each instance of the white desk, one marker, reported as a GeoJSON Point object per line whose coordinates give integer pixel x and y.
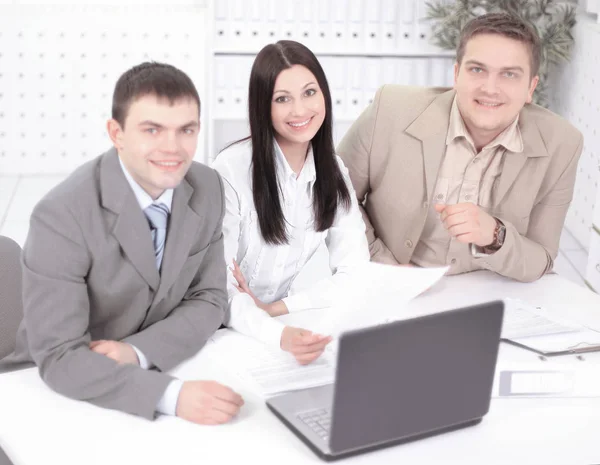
{"type": "Point", "coordinates": [38, 426]}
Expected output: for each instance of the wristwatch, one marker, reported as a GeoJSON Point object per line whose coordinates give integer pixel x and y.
{"type": "Point", "coordinates": [499, 236]}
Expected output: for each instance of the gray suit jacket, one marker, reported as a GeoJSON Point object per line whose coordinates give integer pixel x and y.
{"type": "Point", "coordinates": [89, 273]}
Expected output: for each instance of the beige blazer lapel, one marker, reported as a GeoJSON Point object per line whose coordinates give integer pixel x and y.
{"type": "Point", "coordinates": [431, 128]}
{"type": "Point", "coordinates": [130, 227]}
{"type": "Point", "coordinates": [533, 146]}
{"type": "Point", "coordinates": [184, 225]}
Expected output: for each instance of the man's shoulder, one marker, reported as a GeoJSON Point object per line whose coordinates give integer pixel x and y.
{"type": "Point", "coordinates": [405, 103]}
{"type": "Point", "coordinates": [557, 133]}
{"type": "Point", "coordinates": [549, 122]}
{"type": "Point", "coordinates": [205, 182]}
{"type": "Point", "coordinates": [79, 187]}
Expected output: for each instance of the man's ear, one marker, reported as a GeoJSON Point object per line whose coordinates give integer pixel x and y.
{"type": "Point", "coordinates": [115, 132]}
{"type": "Point", "coordinates": [532, 86]}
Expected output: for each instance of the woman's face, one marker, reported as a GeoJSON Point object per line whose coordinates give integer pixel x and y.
{"type": "Point", "coordinates": [297, 106]}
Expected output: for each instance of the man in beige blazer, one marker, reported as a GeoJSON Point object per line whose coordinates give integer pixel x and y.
{"type": "Point", "coordinates": [124, 275]}
{"type": "Point", "coordinates": [475, 177]}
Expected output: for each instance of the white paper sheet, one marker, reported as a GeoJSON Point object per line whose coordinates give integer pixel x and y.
{"type": "Point", "coordinates": [524, 320]}
{"type": "Point", "coordinates": [268, 370]}
{"type": "Point", "coordinates": [370, 291]}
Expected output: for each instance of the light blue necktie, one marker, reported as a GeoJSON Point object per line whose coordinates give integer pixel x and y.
{"type": "Point", "coordinates": [158, 215]}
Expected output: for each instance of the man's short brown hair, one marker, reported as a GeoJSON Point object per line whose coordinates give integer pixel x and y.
{"type": "Point", "coordinates": [506, 25]}
{"type": "Point", "coordinates": [151, 78]}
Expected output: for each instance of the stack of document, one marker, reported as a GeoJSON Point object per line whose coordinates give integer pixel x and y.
{"type": "Point", "coordinates": [535, 329]}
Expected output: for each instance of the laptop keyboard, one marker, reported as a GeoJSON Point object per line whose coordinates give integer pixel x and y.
{"type": "Point", "coordinates": [317, 420]}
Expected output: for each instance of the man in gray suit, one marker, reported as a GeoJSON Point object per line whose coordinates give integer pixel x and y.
{"type": "Point", "coordinates": [124, 275]}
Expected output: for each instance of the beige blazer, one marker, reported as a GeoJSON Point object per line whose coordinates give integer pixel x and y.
{"type": "Point", "coordinates": [393, 153]}
{"type": "Point", "coordinates": [90, 273]}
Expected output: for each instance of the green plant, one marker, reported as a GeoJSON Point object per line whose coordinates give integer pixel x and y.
{"type": "Point", "coordinates": [553, 20]}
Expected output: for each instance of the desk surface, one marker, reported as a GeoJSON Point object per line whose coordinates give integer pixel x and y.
{"type": "Point", "coordinates": [39, 426]}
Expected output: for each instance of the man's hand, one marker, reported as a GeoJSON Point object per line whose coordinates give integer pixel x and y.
{"type": "Point", "coordinates": [207, 403]}
{"type": "Point", "coordinates": [468, 223]}
{"type": "Point", "coordinates": [303, 344]}
{"type": "Point", "coordinates": [120, 352]}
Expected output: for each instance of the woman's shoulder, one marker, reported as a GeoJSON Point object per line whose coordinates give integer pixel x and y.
{"type": "Point", "coordinates": [234, 159]}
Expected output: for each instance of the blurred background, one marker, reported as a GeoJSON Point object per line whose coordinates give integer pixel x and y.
{"type": "Point", "coordinates": [59, 63]}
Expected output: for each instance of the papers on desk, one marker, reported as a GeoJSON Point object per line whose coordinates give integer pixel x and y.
{"type": "Point", "coordinates": [376, 294]}
{"type": "Point", "coordinates": [268, 370]}
{"type": "Point", "coordinates": [534, 329]}
{"type": "Point", "coordinates": [366, 302]}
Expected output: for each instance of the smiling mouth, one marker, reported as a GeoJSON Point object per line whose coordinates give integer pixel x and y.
{"type": "Point", "coordinates": [167, 165]}
{"type": "Point", "coordinates": [300, 125]}
{"type": "Point", "coordinates": [485, 104]}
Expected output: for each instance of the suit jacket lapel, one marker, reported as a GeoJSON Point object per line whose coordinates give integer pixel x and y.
{"type": "Point", "coordinates": [130, 227]}
{"type": "Point", "coordinates": [533, 146]}
{"type": "Point", "coordinates": [431, 128]}
{"type": "Point", "coordinates": [182, 232]}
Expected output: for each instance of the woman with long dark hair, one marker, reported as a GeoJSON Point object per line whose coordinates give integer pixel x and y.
{"type": "Point", "coordinates": [286, 194]}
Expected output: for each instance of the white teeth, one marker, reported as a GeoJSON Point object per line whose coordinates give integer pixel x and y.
{"type": "Point", "coordinates": [487, 104]}
{"type": "Point", "coordinates": [299, 125]}
{"type": "Point", "coordinates": [167, 163]}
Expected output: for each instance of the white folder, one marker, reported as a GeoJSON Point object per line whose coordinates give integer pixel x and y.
{"type": "Point", "coordinates": [373, 27]}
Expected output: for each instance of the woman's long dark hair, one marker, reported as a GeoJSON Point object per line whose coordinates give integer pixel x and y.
{"type": "Point", "coordinates": [329, 189]}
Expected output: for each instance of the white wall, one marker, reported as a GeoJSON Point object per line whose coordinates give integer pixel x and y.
{"type": "Point", "coordinates": [576, 98]}
{"type": "Point", "coordinates": [59, 64]}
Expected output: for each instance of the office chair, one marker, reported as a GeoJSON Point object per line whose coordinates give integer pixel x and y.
{"type": "Point", "coordinates": [4, 460]}
{"type": "Point", "coordinates": [11, 303]}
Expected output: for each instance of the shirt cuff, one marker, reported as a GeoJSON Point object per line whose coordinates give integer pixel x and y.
{"type": "Point", "coordinates": [144, 363]}
{"type": "Point", "coordinates": [168, 402]}
{"type": "Point", "coordinates": [295, 303]}
{"type": "Point", "coordinates": [270, 332]}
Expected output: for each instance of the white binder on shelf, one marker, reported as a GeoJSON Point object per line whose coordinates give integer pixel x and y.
{"type": "Point", "coordinates": [304, 28]}
{"type": "Point", "coordinates": [221, 87]}
{"type": "Point", "coordinates": [355, 40]}
{"type": "Point", "coordinates": [373, 74]}
{"type": "Point", "coordinates": [222, 28]}
{"type": "Point", "coordinates": [239, 33]}
{"type": "Point", "coordinates": [404, 71]}
{"type": "Point", "coordinates": [354, 87]}
{"type": "Point", "coordinates": [336, 72]}
{"type": "Point", "coordinates": [256, 32]}
{"type": "Point", "coordinates": [287, 19]}
{"type": "Point", "coordinates": [339, 27]}
{"type": "Point", "coordinates": [323, 30]}
{"type": "Point", "coordinates": [388, 32]}
{"type": "Point", "coordinates": [388, 71]}
{"type": "Point", "coordinates": [240, 78]}
{"type": "Point", "coordinates": [373, 27]}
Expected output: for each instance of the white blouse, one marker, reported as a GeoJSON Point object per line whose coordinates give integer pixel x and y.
{"type": "Point", "coordinates": [270, 270]}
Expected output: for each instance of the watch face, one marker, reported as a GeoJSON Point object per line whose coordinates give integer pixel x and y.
{"type": "Point", "coordinates": [501, 234]}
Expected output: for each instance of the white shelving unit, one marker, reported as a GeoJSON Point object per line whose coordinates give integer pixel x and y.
{"type": "Point", "coordinates": [361, 44]}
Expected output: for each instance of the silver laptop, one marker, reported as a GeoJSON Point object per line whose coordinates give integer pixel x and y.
{"type": "Point", "coordinates": [400, 382]}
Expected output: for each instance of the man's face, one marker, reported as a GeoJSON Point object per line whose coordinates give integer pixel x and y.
{"type": "Point", "coordinates": [493, 82]}
{"type": "Point", "coordinates": [158, 143]}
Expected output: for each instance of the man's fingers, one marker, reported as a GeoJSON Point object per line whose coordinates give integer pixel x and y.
{"type": "Point", "coordinates": [226, 394]}
{"type": "Point", "coordinates": [97, 343]}
{"type": "Point", "coordinates": [230, 408]}
{"type": "Point", "coordinates": [103, 349]}
{"type": "Point", "coordinates": [439, 207]}
{"type": "Point", "coordinates": [460, 229]}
